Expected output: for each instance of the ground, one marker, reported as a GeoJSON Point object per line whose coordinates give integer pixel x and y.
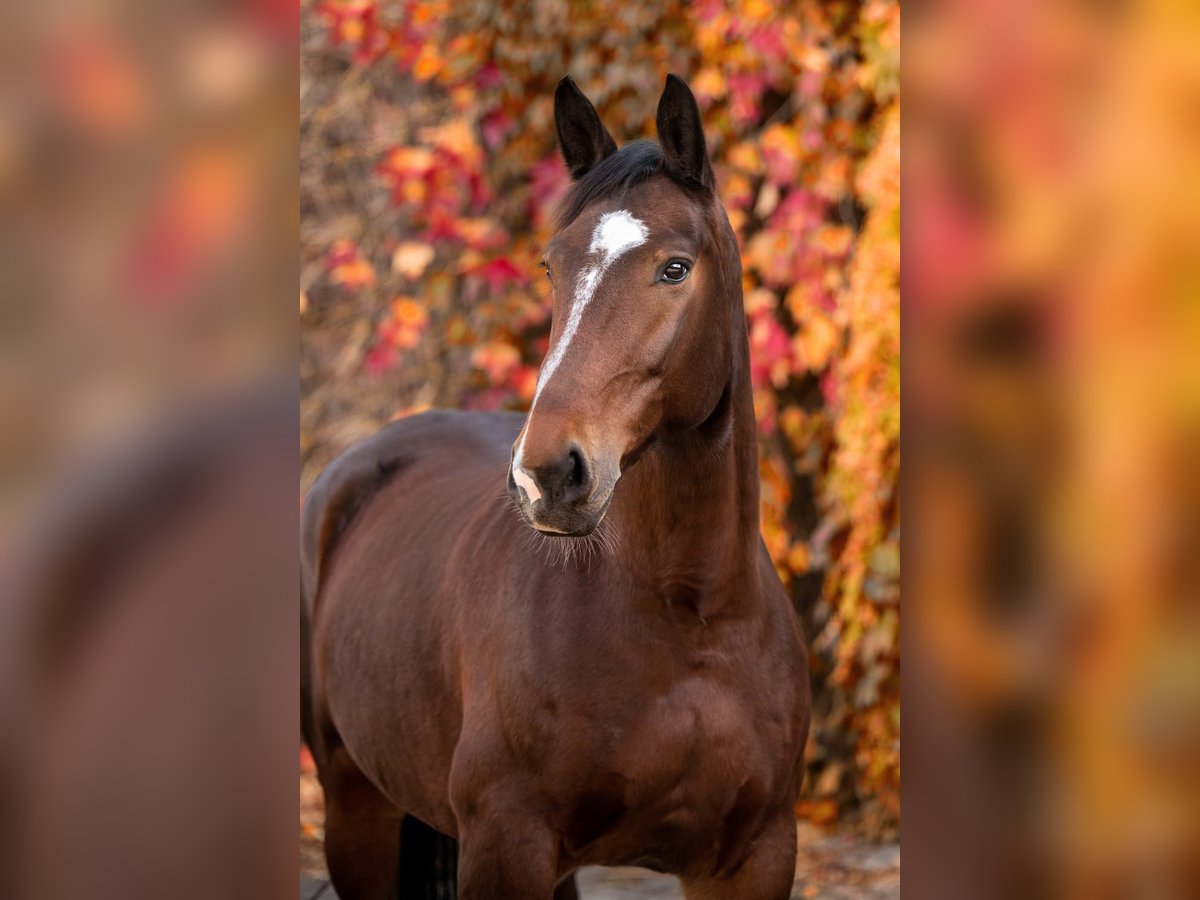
{"type": "Point", "coordinates": [833, 864]}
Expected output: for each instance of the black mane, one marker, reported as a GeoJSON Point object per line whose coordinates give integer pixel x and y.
{"type": "Point", "coordinates": [632, 164]}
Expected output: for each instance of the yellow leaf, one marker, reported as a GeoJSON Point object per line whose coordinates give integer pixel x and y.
{"type": "Point", "coordinates": [411, 259]}
{"type": "Point", "coordinates": [757, 10]}
{"type": "Point", "coordinates": [816, 341]}
{"type": "Point", "coordinates": [709, 83]}
{"type": "Point", "coordinates": [745, 156]}
{"type": "Point", "coordinates": [457, 136]}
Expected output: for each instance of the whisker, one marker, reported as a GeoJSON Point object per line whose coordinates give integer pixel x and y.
{"type": "Point", "coordinates": [566, 551]}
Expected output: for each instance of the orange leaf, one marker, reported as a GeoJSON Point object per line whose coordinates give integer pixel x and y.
{"type": "Point", "coordinates": [409, 312]}
{"type": "Point", "coordinates": [428, 64]}
{"type": "Point", "coordinates": [709, 84]}
{"type": "Point", "coordinates": [819, 812]}
{"type": "Point", "coordinates": [354, 274]}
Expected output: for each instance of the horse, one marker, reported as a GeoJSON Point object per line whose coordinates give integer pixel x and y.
{"type": "Point", "coordinates": [558, 638]}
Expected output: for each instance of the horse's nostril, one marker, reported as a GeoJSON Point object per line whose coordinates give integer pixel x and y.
{"type": "Point", "coordinates": [566, 480]}
{"type": "Point", "coordinates": [572, 480]}
{"type": "Point", "coordinates": [577, 474]}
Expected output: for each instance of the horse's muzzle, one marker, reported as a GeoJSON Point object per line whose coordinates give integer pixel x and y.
{"type": "Point", "coordinates": [562, 496]}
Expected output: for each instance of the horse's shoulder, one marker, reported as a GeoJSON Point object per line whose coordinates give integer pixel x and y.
{"type": "Point", "coordinates": [356, 475]}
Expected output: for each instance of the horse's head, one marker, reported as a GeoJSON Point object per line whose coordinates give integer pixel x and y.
{"type": "Point", "coordinates": [646, 274]}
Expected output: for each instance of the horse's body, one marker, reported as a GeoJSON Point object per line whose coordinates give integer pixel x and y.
{"type": "Point", "coordinates": [642, 700]}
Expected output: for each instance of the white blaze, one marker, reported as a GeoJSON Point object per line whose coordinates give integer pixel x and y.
{"type": "Point", "coordinates": [614, 235]}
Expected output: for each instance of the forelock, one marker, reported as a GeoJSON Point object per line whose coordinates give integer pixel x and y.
{"type": "Point", "coordinates": [634, 163]}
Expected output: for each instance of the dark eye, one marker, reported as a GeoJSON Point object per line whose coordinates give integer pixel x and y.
{"type": "Point", "coordinates": [676, 271]}
{"type": "Point", "coordinates": [548, 275]}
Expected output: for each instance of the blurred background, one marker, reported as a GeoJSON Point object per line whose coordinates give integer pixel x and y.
{"type": "Point", "coordinates": [429, 176]}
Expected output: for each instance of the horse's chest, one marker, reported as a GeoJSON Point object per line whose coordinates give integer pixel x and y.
{"type": "Point", "coordinates": [683, 733]}
{"type": "Point", "coordinates": [681, 779]}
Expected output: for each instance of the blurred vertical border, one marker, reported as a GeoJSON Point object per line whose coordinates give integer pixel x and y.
{"type": "Point", "coordinates": [1052, 320]}
{"type": "Point", "coordinates": [148, 636]}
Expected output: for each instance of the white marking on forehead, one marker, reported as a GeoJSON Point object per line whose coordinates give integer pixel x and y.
{"type": "Point", "coordinates": [617, 232]}
{"type": "Point", "coordinates": [614, 235]}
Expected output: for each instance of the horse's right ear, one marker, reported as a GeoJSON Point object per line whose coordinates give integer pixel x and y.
{"type": "Point", "coordinates": [581, 134]}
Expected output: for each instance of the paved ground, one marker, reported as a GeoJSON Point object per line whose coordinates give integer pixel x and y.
{"type": "Point", "coordinates": [832, 864]}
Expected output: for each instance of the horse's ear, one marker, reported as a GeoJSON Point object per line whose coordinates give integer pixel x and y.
{"type": "Point", "coordinates": [581, 134]}
{"type": "Point", "coordinates": [681, 135]}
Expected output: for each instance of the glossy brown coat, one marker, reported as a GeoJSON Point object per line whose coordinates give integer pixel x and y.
{"type": "Point", "coordinates": [637, 695]}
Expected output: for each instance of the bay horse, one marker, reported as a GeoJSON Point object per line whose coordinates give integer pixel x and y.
{"type": "Point", "coordinates": [612, 672]}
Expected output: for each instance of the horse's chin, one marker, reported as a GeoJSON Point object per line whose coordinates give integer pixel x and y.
{"type": "Point", "coordinates": [580, 531]}
{"type": "Point", "coordinates": [555, 533]}
{"type": "Point", "coordinates": [570, 522]}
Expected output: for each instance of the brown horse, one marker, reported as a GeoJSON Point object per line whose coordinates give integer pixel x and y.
{"type": "Point", "coordinates": [611, 673]}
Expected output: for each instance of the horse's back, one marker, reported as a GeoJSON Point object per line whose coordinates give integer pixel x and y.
{"type": "Point", "coordinates": [431, 452]}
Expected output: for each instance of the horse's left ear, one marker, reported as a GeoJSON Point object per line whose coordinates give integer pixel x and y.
{"type": "Point", "coordinates": [681, 135]}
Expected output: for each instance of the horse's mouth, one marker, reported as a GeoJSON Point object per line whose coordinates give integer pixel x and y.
{"type": "Point", "coordinates": [552, 532]}
{"type": "Point", "coordinates": [556, 522]}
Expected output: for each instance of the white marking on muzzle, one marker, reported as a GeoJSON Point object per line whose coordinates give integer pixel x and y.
{"type": "Point", "coordinates": [614, 235]}
{"type": "Point", "coordinates": [525, 483]}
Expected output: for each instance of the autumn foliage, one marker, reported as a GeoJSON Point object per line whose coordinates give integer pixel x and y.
{"type": "Point", "coordinates": [429, 177]}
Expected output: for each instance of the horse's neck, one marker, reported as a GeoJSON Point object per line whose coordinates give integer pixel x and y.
{"type": "Point", "coordinates": [689, 508]}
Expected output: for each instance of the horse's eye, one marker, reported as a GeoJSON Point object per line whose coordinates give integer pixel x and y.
{"type": "Point", "coordinates": [548, 275]}
{"type": "Point", "coordinates": [676, 271]}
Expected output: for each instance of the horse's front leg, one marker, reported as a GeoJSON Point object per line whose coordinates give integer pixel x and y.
{"type": "Point", "coordinates": [766, 874]}
{"type": "Point", "coordinates": [505, 852]}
